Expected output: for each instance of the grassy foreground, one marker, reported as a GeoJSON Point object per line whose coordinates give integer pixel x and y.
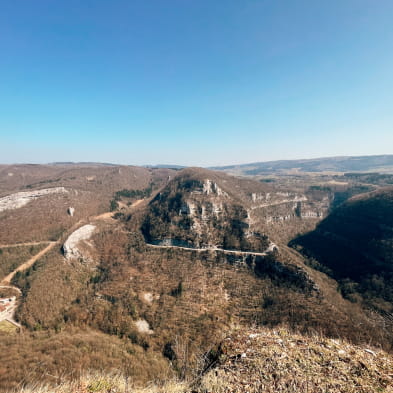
{"type": "Point", "coordinates": [263, 360]}
{"type": "Point", "coordinates": [7, 327]}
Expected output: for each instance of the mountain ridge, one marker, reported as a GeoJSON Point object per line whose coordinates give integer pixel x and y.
{"type": "Point", "coordinates": [321, 164]}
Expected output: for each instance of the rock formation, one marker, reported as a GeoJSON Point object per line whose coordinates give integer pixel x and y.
{"type": "Point", "coordinates": [15, 201]}
{"type": "Point", "coordinates": [70, 247]}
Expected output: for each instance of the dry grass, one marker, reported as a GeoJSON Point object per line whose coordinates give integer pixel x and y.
{"type": "Point", "coordinates": [268, 361]}
{"type": "Point", "coordinates": [104, 383]}
{"type": "Point", "coordinates": [49, 359]}
{"type": "Point", "coordinates": [262, 360]}
{"type": "Point", "coordinates": [7, 327]}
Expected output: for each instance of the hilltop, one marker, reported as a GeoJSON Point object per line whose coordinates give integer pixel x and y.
{"type": "Point", "coordinates": [43, 194]}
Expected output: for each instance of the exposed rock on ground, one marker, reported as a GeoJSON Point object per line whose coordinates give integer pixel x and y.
{"type": "Point", "coordinates": [70, 247]}
{"type": "Point", "coordinates": [15, 201]}
{"type": "Point", "coordinates": [143, 326]}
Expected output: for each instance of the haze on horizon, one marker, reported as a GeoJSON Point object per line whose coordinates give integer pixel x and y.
{"type": "Point", "coordinates": [194, 83]}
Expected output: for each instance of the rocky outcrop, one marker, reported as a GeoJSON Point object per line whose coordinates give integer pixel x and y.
{"type": "Point", "coordinates": [276, 198]}
{"type": "Point", "coordinates": [284, 206]}
{"type": "Point", "coordinates": [198, 212]}
{"type": "Point", "coordinates": [143, 326]}
{"type": "Point", "coordinates": [203, 209]}
{"type": "Point", "coordinates": [71, 247]}
{"type": "Point", "coordinates": [15, 201]}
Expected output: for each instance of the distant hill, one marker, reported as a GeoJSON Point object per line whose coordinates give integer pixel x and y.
{"type": "Point", "coordinates": [166, 166]}
{"type": "Point", "coordinates": [381, 163]}
{"type": "Point", "coordinates": [89, 189]}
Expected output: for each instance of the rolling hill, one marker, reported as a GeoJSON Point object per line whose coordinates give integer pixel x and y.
{"type": "Point", "coordinates": [382, 163]}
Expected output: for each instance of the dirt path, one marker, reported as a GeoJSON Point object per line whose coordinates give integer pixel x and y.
{"type": "Point", "coordinates": [5, 282]}
{"type": "Point", "coordinates": [25, 244]}
{"type": "Point", "coordinates": [109, 215]}
{"type": "Point", "coordinates": [28, 263]}
{"type": "Point", "coordinates": [103, 216]}
{"type": "Point", "coordinates": [11, 287]}
{"type": "Point", "coordinates": [138, 202]}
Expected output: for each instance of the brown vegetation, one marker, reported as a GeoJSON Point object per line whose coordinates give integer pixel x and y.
{"type": "Point", "coordinates": [45, 356]}
{"type": "Point", "coordinates": [12, 257]}
{"type": "Point", "coordinates": [148, 312]}
{"type": "Point", "coordinates": [258, 360]}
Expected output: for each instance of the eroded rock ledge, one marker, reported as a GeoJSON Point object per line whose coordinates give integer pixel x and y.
{"type": "Point", "coordinates": [20, 199]}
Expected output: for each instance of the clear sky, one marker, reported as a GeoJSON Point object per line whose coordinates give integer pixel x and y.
{"type": "Point", "coordinates": [194, 82]}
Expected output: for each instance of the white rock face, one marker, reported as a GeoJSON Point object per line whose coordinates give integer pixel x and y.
{"type": "Point", "coordinates": [212, 188]}
{"type": "Point", "coordinates": [143, 327]}
{"type": "Point", "coordinates": [207, 187]}
{"type": "Point", "coordinates": [311, 214]}
{"type": "Point", "coordinates": [15, 201]}
{"type": "Point", "coordinates": [278, 199]}
{"type": "Point", "coordinates": [148, 297]}
{"type": "Point", "coordinates": [70, 247]}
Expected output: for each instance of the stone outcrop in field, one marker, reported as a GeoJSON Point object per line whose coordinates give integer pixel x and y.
{"type": "Point", "coordinates": [20, 199]}
{"type": "Point", "coordinates": [70, 247]}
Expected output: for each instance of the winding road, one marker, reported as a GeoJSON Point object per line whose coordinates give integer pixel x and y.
{"type": "Point", "coordinates": [271, 248]}
{"type": "Point", "coordinates": [5, 282]}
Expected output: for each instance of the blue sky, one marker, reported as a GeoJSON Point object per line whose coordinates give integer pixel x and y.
{"type": "Point", "coordinates": [194, 82]}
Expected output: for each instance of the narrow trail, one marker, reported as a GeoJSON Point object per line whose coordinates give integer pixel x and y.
{"type": "Point", "coordinates": [137, 203]}
{"type": "Point", "coordinates": [25, 244]}
{"type": "Point", "coordinates": [7, 280]}
{"type": "Point", "coordinates": [109, 215]}
{"type": "Point", "coordinates": [11, 287]}
{"type": "Point", "coordinates": [103, 216]}
{"type": "Point", "coordinates": [5, 283]}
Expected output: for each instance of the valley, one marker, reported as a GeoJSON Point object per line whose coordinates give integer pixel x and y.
{"type": "Point", "coordinates": [157, 266]}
